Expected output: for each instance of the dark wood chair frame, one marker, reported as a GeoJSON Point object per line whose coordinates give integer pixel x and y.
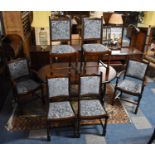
{"type": "Point", "coordinates": [129, 92]}
{"type": "Point", "coordinates": [68, 56]}
{"type": "Point", "coordinates": [32, 73]}
{"type": "Point", "coordinates": [152, 138]}
{"type": "Point", "coordinates": [99, 55]}
{"type": "Point", "coordinates": [60, 98]}
{"type": "Point", "coordinates": [90, 39]}
{"type": "Point", "coordinates": [92, 96]}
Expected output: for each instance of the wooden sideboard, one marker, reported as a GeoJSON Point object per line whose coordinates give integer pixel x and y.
{"type": "Point", "coordinates": [39, 57]}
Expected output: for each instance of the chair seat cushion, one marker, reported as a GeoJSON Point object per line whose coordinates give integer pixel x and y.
{"type": "Point", "coordinates": [91, 108]}
{"type": "Point", "coordinates": [60, 110]}
{"type": "Point", "coordinates": [130, 86]}
{"type": "Point", "coordinates": [26, 85]}
{"type": "Point", "coordinates": [62, 49]}
{"type": "Point", "coordinates": [94, 48]}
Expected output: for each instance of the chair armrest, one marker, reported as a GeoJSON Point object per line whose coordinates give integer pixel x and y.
{"type": "Point", "coordinates": [13, 82]}
{"type": "Point", "coordinates": [34, 75]}
{"type": "Point", "coordinates": [120, 74]}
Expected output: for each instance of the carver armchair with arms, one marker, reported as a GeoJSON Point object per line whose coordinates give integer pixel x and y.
{"type": "Point", "coordinates": [132, 82]}
{"type": "Point", "coordinates": [24, 80]}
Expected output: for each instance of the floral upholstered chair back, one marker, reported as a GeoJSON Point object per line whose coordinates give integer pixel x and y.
{"type": "Point", "coordinates": [18, 68]}
{"type": "Point", "coordinates": [136, 69]}
{"type": "Point", "coordinates": [92, 28]}
{"type": "Point", "coordinates": [90, 85]}
{"type": "Point", "coordinates": [58, 87]}
{"type": "Point", "coordinates": [60, 29]}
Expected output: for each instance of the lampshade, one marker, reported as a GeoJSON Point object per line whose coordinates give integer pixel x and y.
{"type": "Point", "coordinates": [41, 18]}
{"type": "Point", "coordinates": [116, 19]}
{"type": "Point", "coordinates": [149, 18]}
{"type": "Point", "coordinates": [97, 14]}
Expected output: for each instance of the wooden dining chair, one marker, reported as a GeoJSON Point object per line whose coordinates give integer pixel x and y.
{"type": "Point", "coordinates": [59, 106]}
{"type": "Point", "coordinates": [90, 101]}
{"type": "Point", "coordinates": [60, 31]}
{"type": "Point", "coordinates": [92, 47]}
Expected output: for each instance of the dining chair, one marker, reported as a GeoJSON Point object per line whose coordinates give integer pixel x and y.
{"type": "Point", "coordinates": [60, 31]}
{"type": "Point", "coordinates": [90, 100]}
{"type": "Point", "coordinates": [59, 106]}
{"type": "Point", "coordinates": [25, 82]}
{"type": "Point", "coordinates": [92, 47]}
{"type": "Point", "coordinates": [132, 83]}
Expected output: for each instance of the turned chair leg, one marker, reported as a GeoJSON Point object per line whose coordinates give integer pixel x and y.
{"type": "Point", "coordinates": [104, 126]}
{"type": "Point", "coordinates": [48, 132]}
{"type": "Point", "coordinates": [113, 98]}
{"type": "Point", "coordinates": [136, 110]}
{"type": "Point", "coordinates": [78, 128]}
{"type": "Point", "coordinates": [42, 95]}
{"type": "Point", "coordinates": [152, 138]}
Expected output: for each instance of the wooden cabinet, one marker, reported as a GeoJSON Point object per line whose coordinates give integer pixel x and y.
{"type": "Point", "coordinates": [39, 57]}
{"type": "Point", "coordinates": [19, 22]}
{"type": "Point", "coordinates": [138, 40]}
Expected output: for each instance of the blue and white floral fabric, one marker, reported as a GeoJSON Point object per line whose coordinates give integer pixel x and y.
{"type": "Point", "coordinates": [91, 108]}
{"type": "Point", "coordinates": [18, 68]}
{"type": "Point", "coordinates": [60, 30]}
{"type": "Point", "coordinates": [58, 87]}
{"type": "Point", "coordinates": [60, 110]}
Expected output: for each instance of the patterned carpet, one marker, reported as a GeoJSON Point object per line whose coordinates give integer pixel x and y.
{"type": "Point", "coordinates": [34, 114]}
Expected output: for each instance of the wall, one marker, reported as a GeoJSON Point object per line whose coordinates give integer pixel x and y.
{"type": "Point", "coordinates": [149, 19]}
{"type": "Point", "coordinates": [41, 19]}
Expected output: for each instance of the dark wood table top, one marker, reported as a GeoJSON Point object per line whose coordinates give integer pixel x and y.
{"type": "Point", "coordinates": [122, 51]}
{"type": "Point", "coordinates": [108, 74]}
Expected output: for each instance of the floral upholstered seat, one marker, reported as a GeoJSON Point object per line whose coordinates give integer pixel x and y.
{"type": "Point", "coordinates": [62, 49]}
{"type": "Point", "coordinates": [94, 48]}
{"type": "Point", "coordinates": [91, 108]}
{"type": "Point", "coordinates": [26, 85]}
{"type": "Point", "coordinates": [131, 86]}
{"type": "Point", "coordinates": [60, 110]}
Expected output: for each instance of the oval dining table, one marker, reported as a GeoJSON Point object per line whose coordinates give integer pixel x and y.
{"type": "Point", "coordinates": [88, 68]}
{"type": "Point", "coordinates": [108, 73]}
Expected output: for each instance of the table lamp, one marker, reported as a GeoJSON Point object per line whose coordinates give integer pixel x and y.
{"type": "Point", "coordinates": [116, 19]}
